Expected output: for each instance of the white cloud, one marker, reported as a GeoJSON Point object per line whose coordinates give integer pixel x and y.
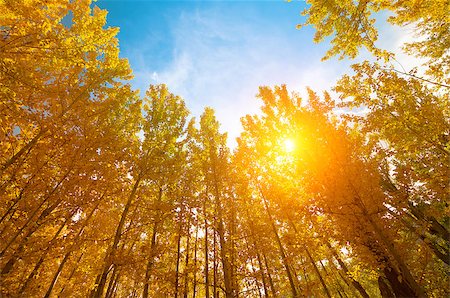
{"type": "Point", "coordinates": [155, 76]}
{"type": "Point", "coordinates": [219, 63]}
{"type": "Point", "coordinates": [393, 38]}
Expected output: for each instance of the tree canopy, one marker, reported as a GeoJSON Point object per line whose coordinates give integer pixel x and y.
{"type": "Point", "coordinates": [106, 193]}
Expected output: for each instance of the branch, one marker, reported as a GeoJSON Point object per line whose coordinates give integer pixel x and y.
{"type": "Point", "coordinates": [417, 77]}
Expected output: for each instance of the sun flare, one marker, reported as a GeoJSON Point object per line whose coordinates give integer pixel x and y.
{"type": "Point", "coordinates": [289, 145]}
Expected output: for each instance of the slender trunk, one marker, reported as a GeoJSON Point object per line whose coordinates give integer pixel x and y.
{"type": "Point", "coordinates": [339, 278]}
{"type": "Point", "coordinates": [409, 279]}
{"type": "Point", "coordinates": [233, 234]}
{"type": "Point", "coordinates": [323, 267]}
{"type": "Point", "coordinates": [404, 280]}
{"type": "Point", "coordinates": [32, 275]}
{"type": "Point", "coordinates": [215, 260]}
{"type": "Point", "coordinates": [152, 248]}
{"type": "Point", "coordinates": [20, 196]}
{"type": "Point", "coordinates": [435, 227]}
{"type": "Point", "coordinates": [111, 282]}
{"type": "Point", "coordinates": [70, 275]}
{"type": "Point", "coordinates": [313, 263]}
{"type": "Point", "coordinates": [400, 288]}
{"type": "Point", "coordinates": [108, 262]}
{"type": "Point", "coordinates": [280, 247]}
{"type": "Point", "coordinates": [344, 267]}
{"type": "Point", "coordinates": [294, 272]}
{"type": "Point", "coordinates": [43, 214]}
{"type": "Point", "coordinates": [177, 268]}
{"type": "Point", "coordinates": [28, 146]}
{"type": "Point", "coordinates": [305, 275]}
{"type": "Point", "coordinates": [230, 292]}
{"type": "Point", "coordinates": [116, 273]}
{"type": "Point", "coordinates": [258, 255]}
{"type": "Point", "coordinates": [22, 191]}
{"type": "Point", "coordinates": [9, 265]}
{"type": "Point", "coordinates": [206, 254]}
{"type": "Point", "coordinates": [261, 269]}
{"type": "Point", "coordinates": [39, 135]}
{"type": "Point", "coordinates": [341, 289]}
{"type": "Point", "coordinates": [269, 276]}
{"type": "Point", "coordinates": [115, 286]}
{"type": "Point", "coordinates": [194, 283]}
{"type": "Point", "coordinates": [226, 266]}
{"type": "Point", "coordinates": [443, 256]}
{"type": "Point", "coordinates": [71, 249]}
{"type": "Point", "coordinates": [252, 266]}
{"type": "Point", "coordinates": [336, 280]}
{"type": "Point", "coordinates": [186, 260]}
{"type": "Point", "coordinates": [41, 259]}
{"type": "Point", "coordinates": [317, 272]}
{"type": "Point", "coordinates": [11, 208]}
{"type": "Point", "coordinates": [55, 277]}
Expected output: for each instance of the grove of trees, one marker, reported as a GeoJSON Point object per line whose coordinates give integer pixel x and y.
{"type": "Point", "coordinates": [106, 193]}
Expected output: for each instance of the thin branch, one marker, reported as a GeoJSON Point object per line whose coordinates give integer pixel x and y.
{"type": "Point", "coordinates": [417, 77]}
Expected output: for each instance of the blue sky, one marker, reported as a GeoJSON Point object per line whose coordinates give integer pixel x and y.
{"type": "Point", "coordinates": [217, 53]}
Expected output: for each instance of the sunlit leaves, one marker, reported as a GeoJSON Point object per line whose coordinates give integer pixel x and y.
{"type": "Point", "coordinates": [351, 26]}
{"type": "Point", "coordinates": [105, 193]}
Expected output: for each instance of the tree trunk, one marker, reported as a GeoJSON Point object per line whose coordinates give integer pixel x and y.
{"type": "Point", "coordinates": [43, 214]}
{"type": "Point", "coordinates": [443, 256]}
{"type": "Point", "coordinates": [194, 282]}
{"type": "Point", "coordinates": [186, 260]}
{"type": "Point", "coordinates": [41, 259]}
{"type": "Point", "coordinates": [112, 281]}
{"type": "Point", "coordinates": [261, 270]}
{"type": "Point", "coordinates": [385, 290]}
{"type": "Point", "coordinates": [405, 273]}
{"type": "Point", "coordinates": [214, 259]}
{"type": "Point", "coordinates": [152, 248]}
{"type": "Point", "coordinates": [24, 149]}
{"type": "Point", "coordinates": [269, 276]}
{"type": "Point", "coordinates": [115, 283]}
{"type": "Point", "coordinates": [324, 286]}
{"type": "Point", "coordinates": [280, 247]}
{"type": "Point", "coordinates": [344, 267]}
{"type": "Point", "coordinates": [177, 267]}
{"type": "Point", "coordinates": [70, 275]}
{"type": "Point", "coordinates": [253, 269]}
{"type": "Point", "coordinates": [258, 254]}
{"type": "Point", "coordinates": [233, 234]}
{"type": "Point", "coordinates": [56, 275]}
{"type": "Point", "coordinates": [108, 262]}
{"type": "Point", "coordinates": [400, 288]}
{"type": "Point", "coordinates": [305, 276]}
{"type": "Point", "coordinates": [206, 252]}
{"type": "Point", "coordinates": [22, 191]}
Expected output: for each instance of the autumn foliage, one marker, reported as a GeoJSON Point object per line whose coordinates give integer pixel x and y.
{"type": "Point", "coordinates": [106, 193]}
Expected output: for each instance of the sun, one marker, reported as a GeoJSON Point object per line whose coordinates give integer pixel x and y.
{"type": "Point", "coordinates": [288, 145]}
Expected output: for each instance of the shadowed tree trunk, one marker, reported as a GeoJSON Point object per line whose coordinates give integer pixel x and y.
{"type": "Point", "coordinates": [110, 254]}
{"type": "Point", "coordinates": [269, 276]}
{"type": "Point", "coordinates": [206, 253]}
{"type": "Point", "coordinates": [152, 246]}
{"type": "Point", "coordinates": [354, 282]}
{"type": "Point", "coordinates": [280, 247]}
{"type": "Point", "coordinates": [177, 267]}
{"type": "Point", "coordinates": [194, 282]}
